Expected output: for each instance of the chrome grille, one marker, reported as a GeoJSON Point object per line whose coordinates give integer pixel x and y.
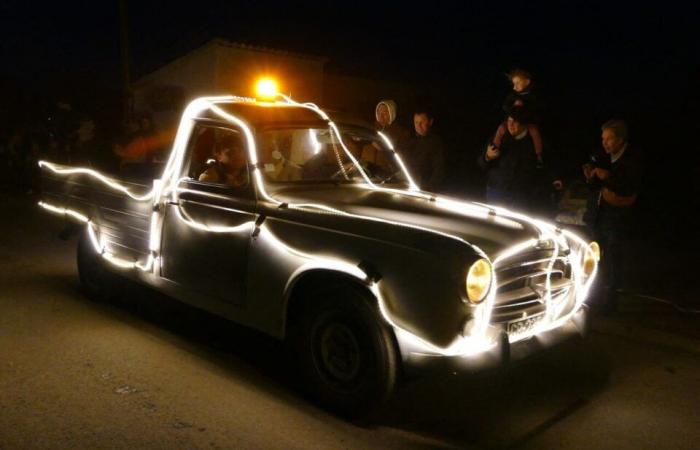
{"type": "Point", "coordinates": [522, 278]}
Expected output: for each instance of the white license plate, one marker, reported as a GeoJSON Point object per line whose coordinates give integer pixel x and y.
{"type": "Point", "coordinates": [522, 326]}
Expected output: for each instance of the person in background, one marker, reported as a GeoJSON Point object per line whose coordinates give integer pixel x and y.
{"type": "Point", "coordinates": [62, 126]}
{"type": "Point", "coordinates": [143, 143]}
{"type": "Point", "coordinates": [616, 180]}
{"type": "Point", "coordinates": [86, 146]}
{"type": "Point", "coordinates": [523, 93]}
{"type": "Point", "coordinates": [385, 114]}
{"type": "Point", "coordinates": [522, 96]}
{"type": "Point", "coordinates": [131, 148]}
{"type": "Point", "coordinates": [515, 173]}
{"type": "Point", "coordinates": [424, 153]}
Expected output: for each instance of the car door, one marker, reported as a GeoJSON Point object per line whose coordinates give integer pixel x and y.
{"type": "Point", "coordinates": [207, 231]}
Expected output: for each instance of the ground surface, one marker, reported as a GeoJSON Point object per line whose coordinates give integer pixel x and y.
{"type": "Point", "coordinates": [146, 373]}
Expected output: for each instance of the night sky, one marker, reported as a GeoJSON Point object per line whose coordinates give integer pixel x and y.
{"type": "Point", "coordinates": [592, 60]}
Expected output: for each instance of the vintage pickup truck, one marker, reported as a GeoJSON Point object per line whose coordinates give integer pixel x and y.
{"type": "Point", "coordinates": [309, 228]}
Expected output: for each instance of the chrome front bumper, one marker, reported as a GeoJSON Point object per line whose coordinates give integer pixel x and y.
{"type": "Point", "coordinates": [502, 353]}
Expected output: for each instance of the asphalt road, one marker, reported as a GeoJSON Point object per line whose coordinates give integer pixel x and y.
{"type": "Point", "coordinates": [148, 373]}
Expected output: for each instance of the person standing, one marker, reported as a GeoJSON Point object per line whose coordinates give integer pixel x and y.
{"type": "Point", "coordinates": [424, 153]}
{"type": "Point", "coordinates": [515, 171]}
{"type": "Point", "coordinates": [385, 115]}
{"type": "Point", "coordinates": [616, 182]}
{"type": "Point", "coordinates": [385, 122]}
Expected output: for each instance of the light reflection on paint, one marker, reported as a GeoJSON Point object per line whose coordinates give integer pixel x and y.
{"type": "Point", "coordinates": [314, 142]}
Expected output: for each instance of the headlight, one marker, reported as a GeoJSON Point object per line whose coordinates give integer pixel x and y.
{"type": "Point", "coordinates": [591, 258]}
{"type": "Point", "coordinates": [479, 280]}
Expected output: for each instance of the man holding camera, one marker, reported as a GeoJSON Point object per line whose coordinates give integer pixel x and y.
{"type": "Point", "coordinates": [615, 180]}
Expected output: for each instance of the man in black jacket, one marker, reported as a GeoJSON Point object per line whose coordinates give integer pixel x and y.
{"type": "Point", "coordinates": [615, 183]}
{"type": "Point", "coordinates": [425, 153]}
{"type": "Point", "coordinates": [516, 176]}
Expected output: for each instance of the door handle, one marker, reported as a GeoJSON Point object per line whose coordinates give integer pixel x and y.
{"type": "Point", "coordinates": [258, 222]}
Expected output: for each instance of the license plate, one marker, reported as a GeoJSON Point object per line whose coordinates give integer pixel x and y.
{"type": "Point", "coordinates": [523, 325]}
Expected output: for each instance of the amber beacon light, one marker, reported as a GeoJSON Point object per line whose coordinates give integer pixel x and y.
{"type": "Point", "coordinates": [266, 88]}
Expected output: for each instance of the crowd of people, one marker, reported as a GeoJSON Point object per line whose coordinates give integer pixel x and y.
{"type": "Point", "coordinates": [521, 176]}
{"type": "Point", "coordinates": [74, 138]}
{"type": "Point", "coordinates": [514, 161]}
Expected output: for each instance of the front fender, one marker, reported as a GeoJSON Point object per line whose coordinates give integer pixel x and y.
{"type": "Point", "coordinates": [418, 290]}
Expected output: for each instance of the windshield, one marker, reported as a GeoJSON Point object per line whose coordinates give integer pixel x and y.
{"type": "Point", "coordinates": [299, 155]}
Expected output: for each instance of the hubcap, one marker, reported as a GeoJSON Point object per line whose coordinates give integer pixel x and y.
{"type": "Point", "coordinates": [340, 352]}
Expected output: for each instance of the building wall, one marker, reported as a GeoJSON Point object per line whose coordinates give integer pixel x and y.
{"type": "Point", "coordinates": [191, 75]}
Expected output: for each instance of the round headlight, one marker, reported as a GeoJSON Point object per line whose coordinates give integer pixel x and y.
{"type": "Point", "coordinates": [479, 280]}
{"type": "Point", "coordinates": [591, 258]}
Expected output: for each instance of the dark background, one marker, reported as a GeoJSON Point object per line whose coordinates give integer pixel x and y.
{"type": "Point", "coordinates": [592, 61]}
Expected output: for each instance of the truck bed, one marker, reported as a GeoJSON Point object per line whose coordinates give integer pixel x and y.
{"type": "Point", "coordinates": [123, 222]}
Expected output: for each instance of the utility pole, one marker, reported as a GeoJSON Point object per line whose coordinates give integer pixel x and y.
{"type": "Point", "coordinates": [126, 70]}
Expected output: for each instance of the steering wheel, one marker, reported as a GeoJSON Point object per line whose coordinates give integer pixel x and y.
{"type": "Point", "coordinates": [351, 168]}
{"type": "Point", "coordinates": [391, 177]}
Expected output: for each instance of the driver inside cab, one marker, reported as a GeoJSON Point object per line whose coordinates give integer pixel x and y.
{"type": "Point", "coordinates": [229, 164]}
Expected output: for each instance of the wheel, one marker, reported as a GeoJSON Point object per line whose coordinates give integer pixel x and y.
{"type": "Point", "coordinates": [346, 352]}
{"type": "Point", "coordinates": [97, 283]}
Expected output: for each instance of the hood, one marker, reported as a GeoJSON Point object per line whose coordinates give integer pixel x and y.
{"type": "Point", "coordinates": [492, 233]}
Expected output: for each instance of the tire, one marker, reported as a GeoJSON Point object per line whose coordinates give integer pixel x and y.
{"type": "Point", "coordinates": [97, 283]}
{"type": "Point", "coordinates": [346, 353]}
